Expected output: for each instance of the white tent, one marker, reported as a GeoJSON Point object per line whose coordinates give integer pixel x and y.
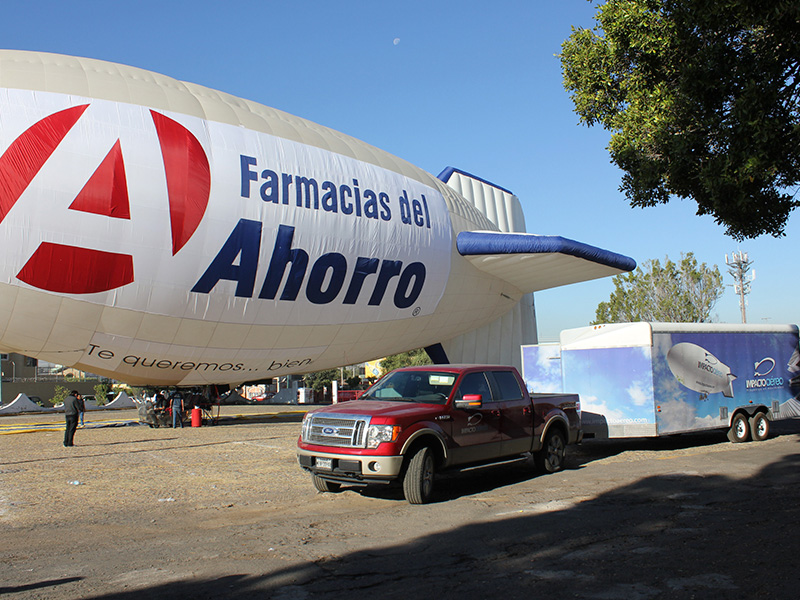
{"type": "Point", "coordinates": [22, 404]}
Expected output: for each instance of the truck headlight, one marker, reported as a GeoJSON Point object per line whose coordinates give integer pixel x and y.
{"type": "Point", "coordinates": [377, 434]}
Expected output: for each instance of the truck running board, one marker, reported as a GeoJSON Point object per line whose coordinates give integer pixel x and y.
{"type": "Point", "coordinates": [503, 461]}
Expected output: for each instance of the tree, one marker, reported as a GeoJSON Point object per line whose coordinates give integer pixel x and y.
{"type": "Point", "coordinates": [703, 101]}
{"type": "Point", "coordinates": [320, 379]}
{"type": "Point", "coordinates": [405, 359]}
{"type": "Point", "coordinates": [682, 293]}
{"type": "Point", "coordinates": [101, 390]}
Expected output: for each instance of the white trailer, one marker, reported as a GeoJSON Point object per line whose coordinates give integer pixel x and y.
{"type": "Point", "coordinates": [652, 379]}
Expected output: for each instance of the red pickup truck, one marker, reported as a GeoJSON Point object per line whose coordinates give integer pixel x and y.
{"type": "Point", "coordinates": [417, 421]}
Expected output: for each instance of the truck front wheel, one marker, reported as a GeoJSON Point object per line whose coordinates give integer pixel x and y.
{"type": "Point", "coordinates": [550, 459]}
{"type": "Point", "coordinates": [418, 480]}
{"type": "Point", "coordinates": [323, 485]}
{"type": "Point", "coordinates": [740, 429]}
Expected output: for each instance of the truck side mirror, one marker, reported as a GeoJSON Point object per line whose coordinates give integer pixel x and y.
{"type": "Point", "coordinates": [470, 401]}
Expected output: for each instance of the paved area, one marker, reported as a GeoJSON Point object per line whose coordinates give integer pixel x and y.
{"type": "Point", "coordinates": [32, 422]}
{"type": "Point", "coordinates": [225, 512]}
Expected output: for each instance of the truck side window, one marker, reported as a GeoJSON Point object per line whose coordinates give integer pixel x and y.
{"type": "Point", "coordinates": [508, 384]}
{"type": "Point", "coordinates": [474, 383]}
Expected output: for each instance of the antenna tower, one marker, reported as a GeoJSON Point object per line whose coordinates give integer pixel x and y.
{"type": "Point", "coordinates": [738, 267]}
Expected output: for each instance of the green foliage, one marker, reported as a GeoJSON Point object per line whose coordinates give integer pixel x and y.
{"type": "Point", "coordinates": [405, 359]}
{"type": "Point", "coordinates": [320, 379]}
{"type": "Point", "coordinates": [100, 391]}
{"type": "Point", "coordinates": [702, 98]}
{"type": "Point", "coordinates": [60, 394]}
{"type": "Point", "coordinates": [676, 293]}
{"type": "Point", "coordinates": [353, 381]}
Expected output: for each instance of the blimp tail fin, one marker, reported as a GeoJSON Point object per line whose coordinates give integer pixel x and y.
{"type": "Point", "coordinates": [529, 262]}
{"type": "Point", "coordinates": [537, 262]}
{"type": "Point", "coordinates": [497, 342]}
{"type": "Point", "coordinates": [498, 204]}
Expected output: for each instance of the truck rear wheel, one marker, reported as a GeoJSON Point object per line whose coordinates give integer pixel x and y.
{"type": "Point", "coordinates": [550, 459]}
{"type": "Point", "coordinates": [740, 429]}
{"type": "Point", "coordinates": [759, 427]}
{"type": "Point", "coordinates": [323, 485]}
{"type": "Point", "coordinates": [418, 480]}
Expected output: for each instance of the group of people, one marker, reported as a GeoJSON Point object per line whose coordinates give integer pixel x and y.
{"type": "Point", "coordinates": [74, 408]}
{"type": "Point", "coordinates": [175, 402]}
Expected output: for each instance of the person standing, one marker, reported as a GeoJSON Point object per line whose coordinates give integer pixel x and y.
{"type": "Point", "coordinates": [177, 408]}
{"type": "Point", "coordinates": [73, 406]}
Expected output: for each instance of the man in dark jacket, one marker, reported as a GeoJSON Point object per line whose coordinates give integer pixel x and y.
{"type": "Point", "coordinates": [73, 406]}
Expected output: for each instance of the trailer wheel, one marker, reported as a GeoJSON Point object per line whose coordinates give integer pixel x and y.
{"type": "Point", "coordinates": [759, 427]}
{"type": "Point", "coordinates": [323, 485]}
{"type": "Point", "coordinates": [550, 459]}
{"type": "Point", "coordinates": [418, 480]}
{"type": "Point", "coordinates": [740, 429]}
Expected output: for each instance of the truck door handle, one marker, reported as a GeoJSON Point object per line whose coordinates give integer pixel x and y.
{"type": "Point", "coordinates": [526, 410]}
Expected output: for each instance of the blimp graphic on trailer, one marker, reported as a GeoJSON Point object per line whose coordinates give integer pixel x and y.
{"type": "Point", "coordinates": [161, 232]}
{"type": "Point", "coordinates": [699, 370]}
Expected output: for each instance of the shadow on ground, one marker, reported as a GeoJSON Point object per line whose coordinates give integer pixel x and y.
{"type": "Point", "coordinates": [676, 536]}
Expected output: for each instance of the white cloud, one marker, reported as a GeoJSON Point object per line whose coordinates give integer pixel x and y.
{"type": "Point", "coordinates": [639, 393]}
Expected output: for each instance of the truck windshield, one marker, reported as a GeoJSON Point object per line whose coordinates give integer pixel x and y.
{"type": "Point", "coordinates": [432, 387]}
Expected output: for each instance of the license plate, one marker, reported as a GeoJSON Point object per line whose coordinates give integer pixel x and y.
{"type": "Point", "coordinates": [324, 463]}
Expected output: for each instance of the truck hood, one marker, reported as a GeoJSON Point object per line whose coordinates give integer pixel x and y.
{"type": "Point", "coordinates": [381, 408]}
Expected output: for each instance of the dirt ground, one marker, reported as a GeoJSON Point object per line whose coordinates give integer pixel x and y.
{"type": "Point", "coordinates": [224, 512]}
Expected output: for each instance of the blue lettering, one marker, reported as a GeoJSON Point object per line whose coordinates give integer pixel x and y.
{"type": "Point", "coordinates": [403, 298]}
{"type": "Point", "coordinates": [311, 191]}
{"type": "Point", "coordinates": [330, 202]}
{"type": "Point", "coordinates": [347, 209]}
{"type": "Point", "coordinates": [364, 267]}
{"type": "Point", "coordinates": [370, 204]}
{"type": "Point", "coordinates": [418, 221]}
{"type": "Point", "coordinates": [405, 211]}
{"type": "Point", "coordinates": [337, 264]}
{"type": "Point", "coordinates": [389, 269]}
{"type": "Point", "coordinates": [287, 181]}
{"type": "Point", "coordinates": [282, 255]}
{"type": "Point", "coordinates": [357, 197]}
{"type": "Point", "coordinates": [245, 243]}
{"type": "Point", "coordinates": [247, 175]}
{"type": "Point", "coordinates": [238, 259]}
{"type": "Point", "coordinates": [269, 189]}
{"type": "Point", "coordinates": [386, 212]}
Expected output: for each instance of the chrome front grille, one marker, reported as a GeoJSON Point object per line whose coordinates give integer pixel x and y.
{"type": "Point", "coordinates": [343, 431]}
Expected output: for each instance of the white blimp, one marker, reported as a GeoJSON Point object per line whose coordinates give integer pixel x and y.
{"type": "Point", "coordinates": [162, 232]}
{"type": "Point", "coordinates": [699, 370]}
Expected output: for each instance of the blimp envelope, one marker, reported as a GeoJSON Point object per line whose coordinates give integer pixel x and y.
{"type": "Point", "coordinates": [158, 231]}
{"type": "Point", "coordinates": [699, 370]}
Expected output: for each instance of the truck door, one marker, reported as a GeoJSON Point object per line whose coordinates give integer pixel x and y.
{"type": "Point", "coordinates": [476, 431]}
{"type": "Point", "coordinates": [516, 422]}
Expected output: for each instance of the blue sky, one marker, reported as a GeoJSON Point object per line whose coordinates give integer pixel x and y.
{"type": "Point", "coordinates": [473, 85]}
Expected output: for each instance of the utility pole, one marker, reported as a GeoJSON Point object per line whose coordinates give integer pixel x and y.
{"type": "Point", "coordinates": [738, 266]}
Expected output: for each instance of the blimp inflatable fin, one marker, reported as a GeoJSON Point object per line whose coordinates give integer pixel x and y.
{"type": "Point", "coordinates": [536, 262]}
{"type": "Point", "coordinates": [529, 262]}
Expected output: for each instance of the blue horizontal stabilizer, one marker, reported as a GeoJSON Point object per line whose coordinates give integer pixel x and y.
{"type": "Point", "coordinates": [470, 243]}
{"type": "Point", "coordinates": [538, 262]}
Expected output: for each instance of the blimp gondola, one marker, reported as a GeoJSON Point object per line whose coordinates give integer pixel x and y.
{"type": "Point", "coordinates": [160, 232]}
